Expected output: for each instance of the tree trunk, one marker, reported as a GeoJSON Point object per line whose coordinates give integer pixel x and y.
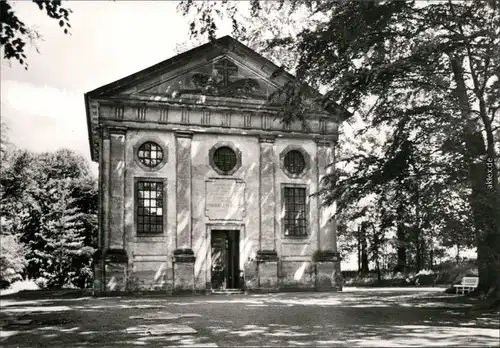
{"type": "Point", "coordinates": [419, 254]}
{"type": "Point", "coordinates": [419, 257]}
{"type": "Point", "coordinates": [418, 260]}
{"type": "Point", "coordinates": [359, 249]}
{"type": "Point", "coordinates": [422, 253]}
{"type": "Point", "coordinates": [431, 251]}
{"type": "Point", "coordinates": [377, 265]}
{"type": "Point", "coordinates": [401, 250]}
{"type": "Point", "coordinates": [483, 178]}
{"type": "Point", "coordinates": [364, 253]}
{"type": "Point", "coordinates": [401, 235]}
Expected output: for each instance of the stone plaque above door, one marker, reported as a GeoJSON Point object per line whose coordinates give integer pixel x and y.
{"type": "Point", "coordinates": [225, 199]}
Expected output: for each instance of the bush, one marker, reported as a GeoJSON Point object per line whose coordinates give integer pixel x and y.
{"type": "Point", "coordinates": [447, 273]}
{"type": "Point", "coordinates": [450, 272]}
{"type": "Point", "coordinates": [42, 282]}
{"type": "Point", "coordinates": [388, 279]}
{"type": "Point", "coordinates": [425, 277]}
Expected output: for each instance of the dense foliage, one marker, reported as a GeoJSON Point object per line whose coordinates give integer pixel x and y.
{"type": "Point", "coordinates": [48, 204]}
{"type": "Point", "coordinates": [423, 79]}
{"type": "Point", "coordinates": [15, 34]}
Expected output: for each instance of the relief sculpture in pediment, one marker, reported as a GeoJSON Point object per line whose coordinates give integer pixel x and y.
{"type": "Point", "coordinates": [222, 78]}
{"type": "Point", "coordinates": [224, 81]}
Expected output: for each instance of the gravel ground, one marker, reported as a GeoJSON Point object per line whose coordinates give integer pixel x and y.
{"type": "Point", "coordinates": [354, 317]}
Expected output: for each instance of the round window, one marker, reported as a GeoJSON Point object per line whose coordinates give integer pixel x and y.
{"type": "Point", "coordinates": [150, 154]}
{"type": "Point", "coordinates": [225, 158]}
{"type": "Point", "coordinates": [294, 162]}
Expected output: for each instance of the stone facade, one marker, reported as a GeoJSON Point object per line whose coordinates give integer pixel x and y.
{"type": "Point", "coordinates": [196, 199]}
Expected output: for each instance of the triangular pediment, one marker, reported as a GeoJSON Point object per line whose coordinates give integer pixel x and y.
{"type": "Point", "coordinates": [226, 68]}
{"type": "Point", "coordinates": [224, 76]}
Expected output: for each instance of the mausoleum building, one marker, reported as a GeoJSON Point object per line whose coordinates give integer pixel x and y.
{"type": "Point", "coordinates": [202, 186]}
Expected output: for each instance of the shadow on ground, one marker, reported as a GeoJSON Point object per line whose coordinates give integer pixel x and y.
{"type": "Point", "coordinates": [304, 319]}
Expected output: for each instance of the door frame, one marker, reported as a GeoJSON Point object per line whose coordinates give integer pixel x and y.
{"type": "Point", "coordinates": [208, 237]}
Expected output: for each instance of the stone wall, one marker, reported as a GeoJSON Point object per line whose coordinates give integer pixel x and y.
{"type": "Point", "coordinates": [203, 221]}
{"type": "Point", "coordinates": [150, 265]}
{"type": "Point", "coordinates": [297, 275]}
{"type": "Point", "coordinates": [150, 257]}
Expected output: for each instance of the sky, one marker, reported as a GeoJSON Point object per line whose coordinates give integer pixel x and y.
{"type": "Point", "coordinates": [44, 106]}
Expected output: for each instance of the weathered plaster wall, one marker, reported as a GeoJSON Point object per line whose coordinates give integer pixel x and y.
{"type": "Point", "coordinates": [288, 247]}
{"type": "Point", "coordinates": [202, 225]}
{"type": "Point", "coordinates": [295, 270]}
{"type": "Point", "coordinates": [297, 274]}
{"type": "Point", "coordinates": [150, 257]}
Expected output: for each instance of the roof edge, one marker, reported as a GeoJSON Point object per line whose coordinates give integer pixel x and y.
{"type": "Point", "coordinates": [89, 126]}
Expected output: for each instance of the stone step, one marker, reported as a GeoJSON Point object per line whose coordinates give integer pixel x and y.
{"type": "Point", "coordinates": [161, 330]}
{"type": "Point", "coordinates": [226, 291]}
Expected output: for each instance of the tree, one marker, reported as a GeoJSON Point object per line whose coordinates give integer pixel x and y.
{"type": "Point", "coordinates": [49, 202]}
{"type": "Point", "coordinates": [5, 144]}
{"type": "Point", "coordinates": [15, 34]}
{"type": "Point", "coordinates": [59, 252]}
{"type": "Point", "coordinates": [12, 251]}
{"type": "Point", "coordinates": [432, 68]}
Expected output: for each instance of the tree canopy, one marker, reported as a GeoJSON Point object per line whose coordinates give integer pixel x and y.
{"type": "Point", "coordinates": [48, 204]}
{"type": "Point", "coordinates": [15, 33]}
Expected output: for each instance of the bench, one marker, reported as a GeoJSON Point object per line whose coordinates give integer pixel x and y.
{"type": "Point", "coordinates": [468, 284]}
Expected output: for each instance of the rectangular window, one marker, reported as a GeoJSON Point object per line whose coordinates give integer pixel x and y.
{"type": "Point", "coordinates": [149, 201]}
{"type": "Point", "coordinates": [295, 206]}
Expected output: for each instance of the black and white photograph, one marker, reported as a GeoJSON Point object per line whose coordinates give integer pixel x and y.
{"type": "Point", "coordinates": [254, 173]}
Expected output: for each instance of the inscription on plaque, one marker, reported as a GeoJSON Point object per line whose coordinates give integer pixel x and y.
{"type": "Point", "coordinates": [225, 199]}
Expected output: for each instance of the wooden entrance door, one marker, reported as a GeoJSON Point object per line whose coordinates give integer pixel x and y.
{"type": "Point", "coordinates": [225, 259]}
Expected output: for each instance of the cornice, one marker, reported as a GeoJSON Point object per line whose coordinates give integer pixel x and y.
{"type": "Point", "coordinates": [200, 102]}
{"type": "Point", "coordinates": [117, 130]}
{"type": "Point", "coordinates": [184, 134]}
{"type": "Point", "coordinates": [265, 138]}
{"type": "Point", "coordinates": [187, 130]}
{"type": "Point", "coordinates": [327, 140]}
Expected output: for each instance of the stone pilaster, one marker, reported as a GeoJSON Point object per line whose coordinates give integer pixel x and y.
{"type": "Point", "coordinates": [117, 188]}
{"type": "Point", "coordinates": [326, 258]}
{"type": "Point", "coordinates": [98, 270]}
{"type": "Point", "coordinates": [184, 259]}
{"type": "Point", "coordinates": [251, 282]}
{"type": "Point", "coordinates": [111, 264]}
{"type": "Point", "coordinates": [116, 270]}
{"type": "Point", "coordinates": [183, 262]}
{"type": "Point", "coordinates": [183, 184]}
{"type": "Point", "coordinates": [102, 236]}
{"type": "Point", "coordinates": [267, 271]}
{"type": "Point", "coordinates": [267, 258]}
{"type": "Point", "coordinates": [327, 239]}
{"type": "Point", "coordinates": [105, 191]}
{"type": "Point", "coordinates": [267, 238]}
